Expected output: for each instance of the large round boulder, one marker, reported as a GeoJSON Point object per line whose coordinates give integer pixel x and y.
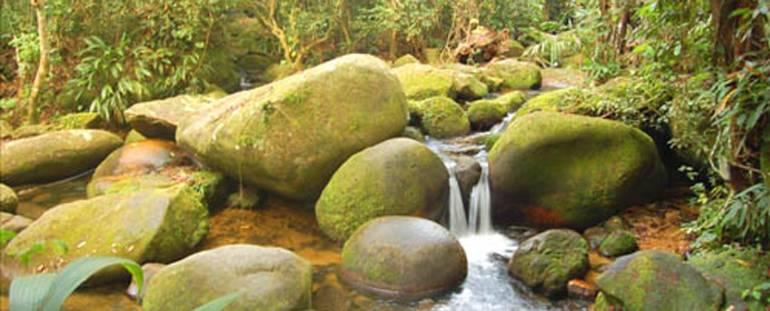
{"type": "Point", "coordinates": [290, 136]}
{"type": "Point", "coordinates": [156, 225]}
{"type": "Point", "coordinates": [55, 155]}
{"type": "Point", "coordinates": [404, 258]}
{"type": "Point", "coordinates": [265, 278]}
{"type": "Point", "coordinates": [8, 199]}
{"type": "Point", "coordinates": [441, 117]}
{"type": "Point", "coordinates": [515, 75]}
{"type": "Point", "coordinates": [655, 280]}
{"type": "Point", "coordinates": [159, 118]}
{"type": "Point", "coordinates": [396, 177]}
{"type": "Point", "coordinates": [560, 170]}
{"type": "Point", "coordinates": [424, 81]}
{"type": "Point", "coordinates": [549, 260]}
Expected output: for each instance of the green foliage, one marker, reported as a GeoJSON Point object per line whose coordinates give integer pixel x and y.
{"type": "Point", "coordinates": [551, 49]}
{"type": "Point", "coordinates": [6, 236]}
{"type": "Point", "coordinates": [759, 293]}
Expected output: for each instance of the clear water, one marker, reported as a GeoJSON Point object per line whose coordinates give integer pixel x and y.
{"type": "Point", "coordinates": [480, 220]}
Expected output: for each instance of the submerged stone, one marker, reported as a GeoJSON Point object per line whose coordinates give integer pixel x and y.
{"type": "Point", "coordinates": [561, 170]}
{"type": "Point", "coordinates": [54, 156]}
{"type": "Point", "coordinates": [404, 258]}
{"type": "Point", "coordinates": [547, 261]}
{"type": "Point", "coordinates": [8, 199]}
{"type": "Point", "coordinates": [290, 136]}
{"type": "Point", "coordinates": [266, 278]}
{"type": "Point", "coordinates": [396, 177]}
{"type": "Point", "coordinates": [158, 225]}
{"type": "Point", "coordinates": [655, 280]}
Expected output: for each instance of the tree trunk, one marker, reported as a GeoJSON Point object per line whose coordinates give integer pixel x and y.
{"type": "Point", "coordinates": [724, 31]}
{"type": "Point", "coordinates": [42, 67]}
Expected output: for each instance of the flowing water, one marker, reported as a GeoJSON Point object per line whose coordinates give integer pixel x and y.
{"type": "Point", "coordinates": [480, 220]}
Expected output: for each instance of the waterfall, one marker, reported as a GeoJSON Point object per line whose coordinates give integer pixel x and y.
{"type": "Point", "coordinates": [481, 206]}
{"type": "Point", "coordinates": [457, 221]}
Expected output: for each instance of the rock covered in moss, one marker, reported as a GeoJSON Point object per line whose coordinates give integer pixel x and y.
{"type": "Point", "coordinates": [484, 114]}
{"type": "Point", "coordinates": [414, 133]}
{"type": "Point", "coordinates": [158, 225]}
{"type": "Point", "coordinates": [555, 101]}
{"type": "Point", "coordinates": [424, 81]}
{"type": "Point", "coordinates": [468, 87]}
{"type": "Point", "coordinates": [267, 278]}
{"type": "Point", "coordinates": [8, 199]}
{"type": "Point", "coordinates": [553, 169]}
{"type": "Point", "coordinates": [13, 223]}
{"type": "Point", "coordinates": [617, 243]}
{"type": "Point", "coordinates": [515, 75]}
{"type": "Point", "coordinates": [290, 136]}
{"type": "Point", "coordinates": [275, 72]}
{"type": "Point", "coordinates": [515, 48]}
{"type": "Point", "coordinates": [405, 60]}
{"type": "Point", "coordinates": [78, 121]}
{"type": "Point", "coordinates": [133, 136]}
{"type": "Point", "coordinates": [735, 270]}
{"type": "Point", "coordinates": [54, 156]}
{"type": "Point", "coordinates": [159, 118]}
{"type": "Point", "coordinates": [441, 117]}
{"type": "Point", "coordinates": [512, 100]}
{"type": "Point", "coordinates": [396, 177]}
{"type": "Point", "coordinates": [655, 280]}
{"type": "Point", "coordinates": [547, 261]}
{"type": "Point", "coordinates": [404, 258]}
{"type": "Point", "coordinates": [31, 130]}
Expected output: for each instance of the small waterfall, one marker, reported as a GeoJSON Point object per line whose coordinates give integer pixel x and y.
{"type": "Point", "coordinates": [481, 206]}
{"type": "Point", "coordinates": [457, 220]}
{"type": "Point", "coordinates": [500, 127]}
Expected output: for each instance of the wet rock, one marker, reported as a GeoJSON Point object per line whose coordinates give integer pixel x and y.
{"type": "Point", "coordinates": [467, 172]}
{"type": "Point", "coordinates": [579, 289]}
{"type": "Point", "coordinates": [133, 136]}
{"type": "Point", "coordinates": [405, 60]}
{"type": "Point", "coordinates": [414, 133]}
{"type": "Point", "coordinates": [8, 199]}
{"type": "Point", "coordinates": [655, 280]}
{"type": "Point", "coordinates": [468, 87]}
{"type": "Point", "coordinates": [149, 270]}
{"type": "Point", "coordinates": [515, 75]}
{"type": "Point", "coordinates": [396, 177]}
{"type": "Point", "coordinates": [290, 136]}
{"type": "Point", "coordinates": [143, 157]}
{"type": "Point", "coordinates": [561, 170]}
{"type": "Point", "coordinates": [158, 225]}
{"type": "Point", "coordinates": [159, 118]}
{"type": "Point", "coordinates": [54, 155]}
{"type": "Point", "coordinates": [547, 261]}
{"type": "Point", "coordinates": [15, 223]}
{"type": "Point", "coordinates": [441, 117]}
{"type": "Point", "coordinates": [267, 278]}
{"type": "Point", "coordinates": [424, 81]}
{"type": "Point", "coordinates": [617, 243]}
{"type": "Point", "coordinates": [404, 258]}
{"type": "Point", "coordinates": [735, 270]}
{"type": "Point", "coordinates": [595, 236]}
{"type": "Point", "coordinates": [246, 199]}
{"type": "Point", "coordinates": [484, 114]}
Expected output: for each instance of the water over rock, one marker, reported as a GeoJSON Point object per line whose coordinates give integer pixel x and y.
{"type": "Point", "coordinates": [158, 225]}
{"type": "Point", "coordinates": [560, 170]}
{"type": "Point", "coordinates": [655, 280]}
{"type": "Point", "coordinates": [396, 177]}
{"type": "Point", "coordinates": [8, 199]}
{"type": "Point", "coordinates": [316, 119]}
{"type": "Point", "coordinates": [267, 278]}
{"type": "Point", "coordinates": [55, 155]}
{"type": "Point", "coordinates": [547, 261]}
{"type": "Point", "coordinates": [404, 258]}
{"type": "Point", "coordinates": [159, 118]}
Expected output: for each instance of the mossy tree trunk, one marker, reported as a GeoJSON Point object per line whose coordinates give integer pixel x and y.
{"type": "Point", "coordinates": [42, 67]}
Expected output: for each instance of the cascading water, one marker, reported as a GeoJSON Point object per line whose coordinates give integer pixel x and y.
{"type": "Point", "coordinates": [457, 221]}
{"type": "Point", "coordinates": [480, 220]}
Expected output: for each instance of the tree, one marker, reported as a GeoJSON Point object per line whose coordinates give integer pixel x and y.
{"type": "Point", "coordinates": [42, 67]}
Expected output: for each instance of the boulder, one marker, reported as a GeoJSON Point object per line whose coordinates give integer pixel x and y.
{"type": "Point", "coordinates": [396, 177]}
{"type": "Point", "coordinates": [655, 280]}
{"type": "Point", "coordinates": [515, 75]}
{"type": "Point", "coordinates": [468, 87]}
{"type": "Point", "coordinates": [143, 157]}
{"type": "Point", "coordinates": [735, 270]}
{"type": "Point", "coordinates": [441, 117]}
{"type": "Point", "coordinates": [404, 258]}
{"type": "Point", "coordinates": [424, 81]}
{"type": "Point", "coordinates": [512, 100]}
{"type": "Point", "coordinates": [560, 170]}
{"type": "Point", "coordinates": [617, 243]}
{"type": "Point", "coordinates": [14, 223]}
{"type": "Point", "coordinates": [484, 114]}
{"type": "Point", "coordinates": [549, 260]}
{"type": "Point", "coordinates": [157, 225]}
{"type": "Point", "coordinates": [413, 133]}
{"type": "Point", "coordinates": [79, 121]}
{"type": "Point", "coordinates": [55, 155]}
{"type": "Point", "coordinates": [159, 118]}
{"type": "Point", "coordinates": [288, 137]}
{"type": "Point", "coordinates": [405, 60]}
{"type": "Point", "coordinates": [133, 136]}
{"type": "Point", "coordinates": [266, 278]}
{"type": "Point", "coordinates": [8, 199]}
{"type": "Point", "coordinates": [468, 172]}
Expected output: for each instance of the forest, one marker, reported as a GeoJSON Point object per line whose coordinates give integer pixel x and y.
{"type": "Point", "coordinates": [384, 155]}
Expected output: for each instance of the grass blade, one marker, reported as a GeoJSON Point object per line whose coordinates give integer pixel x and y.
{"type": "Point", "coordinates": [219, 303]}
{"type": "Point", "coordinates": [27, 293]}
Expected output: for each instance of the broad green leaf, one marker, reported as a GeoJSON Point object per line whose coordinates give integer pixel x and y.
{"type": "Point", "coordinates": [27, 293]}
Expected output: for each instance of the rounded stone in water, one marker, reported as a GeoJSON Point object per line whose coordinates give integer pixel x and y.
{"type": "Point", "coordinates": [403, 258]}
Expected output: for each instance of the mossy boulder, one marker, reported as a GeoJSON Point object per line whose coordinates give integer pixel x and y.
{"type": "Point", "coordinates": [396, 177]}
{"type": "Point", "coordinates": [468, 87]}
{"type": "Point", "coordinates": [735, 270]}
{"type": "Point", "coordinates": [515, 75]}
{"type": "Point", "coordinates": [31, 130]}
{"type": "Point", "coordinates": [514, 48]}
{"type": "Point", "coordinates": [159, 118]}
{"type": "Point", "coordinates": [617, 243]}
{"type": "Point", "coordinates": [424, 81]}
{"type": "Point", "coordinates": [512, 100]}
{"type": "Point", "coordinates": [158, 225]}
{"type": "Point", "coordinates": [441, 117]}
{"type": "Point", "coordinates": [560, 170]}
{"type": "Point", "coordinates": [13, 223]}
{"type": "Point", "coordinates": [547, 261]}
{"type": "Point", "coordinates": [8, 199]}
{"type": "Point", "coordinates": [54, 155]}
{"type": "Point", "coordinates": [483, 114]}
{"type": "Point", "coordinates": [563, 100]}
{"type": "Point", "coordinates": [133, 136]}
{"type": "Point", "coordinates": [413, 133]}
{"type": "Point", "coordinates": [267, 278]}
{"type": "Point", "coordinates": [277, 72]}
{"type": "Point", "coordinates": [405, 60]}
{"type": "Point", "coordinates": [290, 136]}
{"type": "Point", "coordinates": [655, 280]}
{"type": "Point", "coordinates": [404, 258]}
{"type": "Point", "coordinates": [78, 121]}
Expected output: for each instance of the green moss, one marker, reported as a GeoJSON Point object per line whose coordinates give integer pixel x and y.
{"type": "Point", "coordinates": [8, 199]}
{"type": "Point", "coordinates": [483, 114]}
{"type": "Point", "coordinates": [618, 243]}
{"type": "Point", "coordinates": [515, 75]}
{"type": "Point", "coordinates": [423, 81]}
{"type": "Point", "coordinates": [442, 117]}
{"type": "Point", "coordinates": [405, 60]}
{"type": "Point", "coordinates": [82, 120]}
{"type": "Point", "coordinates": [736, 270]}
{"type": "Point", "coordinates": [512, 100]}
